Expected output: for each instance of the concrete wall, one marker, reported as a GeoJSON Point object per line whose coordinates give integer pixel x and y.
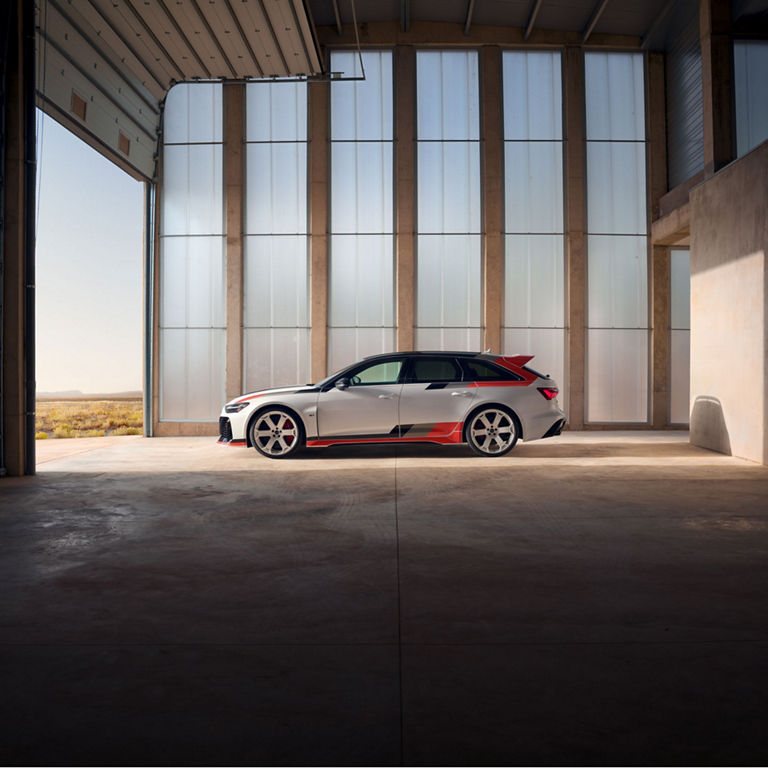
{"type": "Point", "coordinates": [729, 309]}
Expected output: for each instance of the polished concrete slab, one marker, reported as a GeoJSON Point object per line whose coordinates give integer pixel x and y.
{"type": "Point", "coordinates": [598, 598]}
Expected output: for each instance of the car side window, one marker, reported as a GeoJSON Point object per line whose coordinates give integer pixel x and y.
{"type": "Point", "coordinates": [431, 369]}
{"type": "Point", "coordinates": [378, 373]}
{"type": "Point", "coordinates": [479, 370]}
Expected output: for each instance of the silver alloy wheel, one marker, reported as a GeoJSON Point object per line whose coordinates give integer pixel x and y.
{"type": "Point", "coordinates": [492, 432]}
{"type": "Point", "coordinates": [276, 433]}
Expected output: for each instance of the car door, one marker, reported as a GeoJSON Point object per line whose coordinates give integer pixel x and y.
{"type": "Point", "coordinates": [367, 408]}
{"type": "Point", "coordinates": [434, 399]}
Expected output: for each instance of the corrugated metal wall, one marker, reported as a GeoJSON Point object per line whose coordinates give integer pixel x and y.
{"type": "Point", "coordinates": [685, 132]}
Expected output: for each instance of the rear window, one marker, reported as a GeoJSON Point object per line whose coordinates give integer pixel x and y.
{"type": "Point", "coordinates": [479, 370]}
{"type": "Point", "coordinates": [434, 369]}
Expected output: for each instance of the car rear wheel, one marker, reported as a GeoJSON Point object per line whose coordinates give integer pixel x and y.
{"type": "Point", "coordinates": [492, 432]}
{"type": "Point", "coordinates": [277, 433]}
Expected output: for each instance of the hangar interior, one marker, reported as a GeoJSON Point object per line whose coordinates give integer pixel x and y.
{"type": "Point", "coordinates": [586, 180]}
{"type": "Point", "coordinates": [325, 182]}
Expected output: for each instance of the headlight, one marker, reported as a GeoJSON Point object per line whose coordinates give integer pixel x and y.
{"type": "Point", "coordinates": [237, 407]}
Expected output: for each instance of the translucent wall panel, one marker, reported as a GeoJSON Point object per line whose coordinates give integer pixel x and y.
{"type": "Point", "coordinates": [361, 190]}
{"type": "Point", "coordinates": [547, 345]}
{"type": "Point", "coordinates": [346, 345]}
{"type": "Point", "coordinates": [362, 280]}
{"type": "Point", "coordinates": [618, 282]}
{"type": "Point", "coordinates": [276, 112]}
{"type": "Point", "coordinates": [533, 186]}
{"type": "Point", "coordinates": [361, 314]}
{"type": "Point", "coordinates": [362, 110]}
{"type": "Point", "coordinates": [534, 244]}
{"type": "Point", "coordinates": [448, 106]}
{"type": "Point", "coordinates": [617, 277]}
{"type": "Point", "coordinates": [680, 335]}
{"type": "Point", "coordinates": [449, 338]}
{"type": "Point", "coordinates": [449, 187]}
{"type": "Point", "coordinates": [192, 282]}
{"type": "Point", "coordinates": [276, 180]}
{"type": "Point", "coordinates": [680, 375]}
{"type": "Point", "coordinates": [191, 373]}
{"type": "Point", "coordinates": [532, 95]}
{"type": "Point", "coordinates": [617, 384]}
{"type": "Point", "coordinates": [449, 277]}
{"type": "Point", "coordinates": [533, 281]}
{"type": "Point", "coordinates": [616, 184]}
{"type": "Point", "coordinates": [192, 255]}
{"type": "Point", "coordinates": [615, 91]}
{"type": "Point", "coordinates": [192, 202]}
{"type": "Point", "coordinates": [193, 114]}
{"type": "Point", "coordinates": [750, 79]}
{"type": "Point", "coordinates": [276, 282]}
{"type": "Point", "coordinates": [275, 357]}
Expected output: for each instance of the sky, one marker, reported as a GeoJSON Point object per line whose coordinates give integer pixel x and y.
{"type": "Point", "coordinates": [89, 268]}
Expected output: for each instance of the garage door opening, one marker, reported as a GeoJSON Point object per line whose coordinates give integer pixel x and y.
{"type": "Point", "coordinates": [89, 258]}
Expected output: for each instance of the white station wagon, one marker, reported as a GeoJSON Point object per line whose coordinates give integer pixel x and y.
{"type": "Point", "coordinates": [488, 401]}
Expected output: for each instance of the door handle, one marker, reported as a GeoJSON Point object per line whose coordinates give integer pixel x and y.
{"type": "Point", "coordinates": [459, 394]}
{"type": "Point", "coordinates": [385, 397]}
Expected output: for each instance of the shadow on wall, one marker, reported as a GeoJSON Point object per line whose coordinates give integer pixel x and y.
{"type": "Point", "coordinates": [708, 427]}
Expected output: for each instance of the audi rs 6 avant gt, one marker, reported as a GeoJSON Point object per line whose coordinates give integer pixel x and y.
{"type": "Point", "coordinates": [488, 401]}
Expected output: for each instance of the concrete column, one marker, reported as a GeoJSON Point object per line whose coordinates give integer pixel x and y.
{"type": "Point", "coordinates": [717, 84]}
{"type": "Point", "coordinates": [405, 193]}
{"type": "Point", "coordinates": [657, 132]}
{"type": "Point", "coordinates": [492, 169]}
{"type": "Point", "coordinates": [317, 162]}
{"type": "Point", "coordinates": [234, 122]}
{"type": "Point", "coordinates": [659, 261]}
{"type": "Point", "coordinates": [660, 338]}
{"type": "Point", "coordinates": [18, 385]}
{"type": "Point", "coordinates": [575, 274]}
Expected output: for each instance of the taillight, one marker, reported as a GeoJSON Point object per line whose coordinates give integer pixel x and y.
{"type": "Point", "coordinates": [550, 393]}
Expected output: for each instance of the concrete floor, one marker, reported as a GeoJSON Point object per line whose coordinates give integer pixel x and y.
{"type": "Point", "coordinates": [592, 599]}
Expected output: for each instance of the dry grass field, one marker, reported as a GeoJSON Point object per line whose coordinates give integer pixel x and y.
{"type": "Point", "coordinates": [88, 417]}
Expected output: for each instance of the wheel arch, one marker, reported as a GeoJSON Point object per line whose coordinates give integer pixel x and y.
{"type": "Point", "coordinates": [492, 404]}
{"type": "Point", "coordinates": [265, 407]}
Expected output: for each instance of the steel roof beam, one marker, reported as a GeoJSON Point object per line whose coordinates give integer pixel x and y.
{"type": "Point", "coordinates": [470, 11]}
{"type": "Point", "coordinates": [593, 19]}
{"type": "Point", "coordinates": [656, 24]}
{"type": "Point", "coordinates": [532, 19]}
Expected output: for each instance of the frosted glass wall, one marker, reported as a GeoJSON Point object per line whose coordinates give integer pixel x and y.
{"type": "Point", "coordinates": [617, 242]}
{"type": "Point", "coordinates": [449, 242]}
{"type": "Point", "coordinates": [750, 79]}
{"type": "Point", "coordinates": [276, 283]}
{"type": "Point", "coordinates": [361, 300]}
{"type": "Point", "coordinates": [192, 318]}
{"type": "Point", "coordinates": [680, 335]}
{"type": "Point", "coordinates": [534, 243]}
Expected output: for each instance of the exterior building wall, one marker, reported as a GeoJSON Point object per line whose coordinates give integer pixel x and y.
{"type": "Point", "coordinates": [729, 309]}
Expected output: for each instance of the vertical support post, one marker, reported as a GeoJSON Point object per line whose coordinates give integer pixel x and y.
{"type": "Point", "coordinates": [318, 149]}
{"type": "Point", "coordinates": [155, 234]}
{"type": "Point", "coordinates": [149, 306]}
{"type": "Point", "coordinates": [576, 264]}
{"type": "Point", "coordinates": [18, 248]}
{"type": "Point", "coordinates": [717, 84]}
{"type": "Point", "coordinates": [491, 163]}
{"type": "Point", "coordinates": [659, 261]}
{"type": "Point", "coordinates": [234, 104]}
{"type": "Point", "coordinates": [660, 338]}
{"type": "Point", "coordinates": [405, 186]}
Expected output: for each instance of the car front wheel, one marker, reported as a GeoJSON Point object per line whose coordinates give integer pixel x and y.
{"type": "Point", "coordinates": [492, 432]}
{"type": "Point", "coordinates": [277, 433]}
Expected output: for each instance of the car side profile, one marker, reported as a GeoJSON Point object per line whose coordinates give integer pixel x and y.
{"type": "Point", "coordinates": [488, 401]}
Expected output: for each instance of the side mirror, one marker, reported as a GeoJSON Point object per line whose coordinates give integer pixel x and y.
{"type": "Point", "coordinates": [342, 384]}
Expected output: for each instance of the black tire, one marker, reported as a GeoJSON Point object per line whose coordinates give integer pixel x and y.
{"type": "Point", "coordinates": [492, 431]}
{"type": "Point", "coordinates": [277, 432]}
